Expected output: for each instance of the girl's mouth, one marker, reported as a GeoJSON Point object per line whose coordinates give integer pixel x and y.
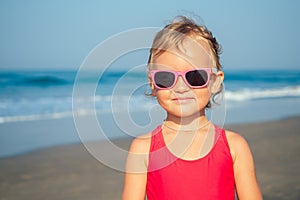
{"type": "Point", "coordinates": [182, 99]}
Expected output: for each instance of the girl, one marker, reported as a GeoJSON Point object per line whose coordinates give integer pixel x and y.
{"type": "Point", "coordinates": [188, 157]}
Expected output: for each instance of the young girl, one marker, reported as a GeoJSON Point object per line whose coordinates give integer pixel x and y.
{"type": "Point", "coordinates": [188, 157]}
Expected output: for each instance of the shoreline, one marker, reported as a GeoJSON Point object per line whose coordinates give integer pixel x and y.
{"type": "Point", "coordinates": [77, 141]}
{"type": "Point", "coordinates": [24, 137]}
{"type": "Point", "coordinates": [69, 171]}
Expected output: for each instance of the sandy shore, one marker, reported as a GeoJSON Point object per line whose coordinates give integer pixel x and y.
{"type": "Point", "coordinates": [70, 172]}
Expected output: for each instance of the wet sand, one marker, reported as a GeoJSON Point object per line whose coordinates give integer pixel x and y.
{"type": "Point", "coordinates": [70, 172]}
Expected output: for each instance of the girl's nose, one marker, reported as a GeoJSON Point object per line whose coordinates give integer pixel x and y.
{"type": "Point", "coordinates": [180, 86]}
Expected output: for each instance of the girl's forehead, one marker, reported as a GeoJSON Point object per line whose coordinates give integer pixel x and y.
{"type": "Point", "coordinates": [188, 55]}
{"type": "Point", "coordinates": [197, 52]}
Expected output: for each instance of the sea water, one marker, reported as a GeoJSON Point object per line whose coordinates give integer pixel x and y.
{"type": "Point", "coordinates": [249, 96]}
{"type": "Point", "coordinates": [36, 95]}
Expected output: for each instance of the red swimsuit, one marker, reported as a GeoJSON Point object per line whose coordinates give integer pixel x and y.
{"type": "Point", "coordinates": [171, 178]}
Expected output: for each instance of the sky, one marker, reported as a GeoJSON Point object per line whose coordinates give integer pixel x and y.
{"type": "Point", "coordinates": [59, 34]}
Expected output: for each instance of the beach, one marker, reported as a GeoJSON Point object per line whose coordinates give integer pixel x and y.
{"type": "Point", "coordinates": [69, 171]}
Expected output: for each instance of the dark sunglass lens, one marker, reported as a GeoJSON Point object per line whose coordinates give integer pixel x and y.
{"type": "Point", "coordinates": [197, 77]}
{"type": "Point", "coordinates": [164, 79]}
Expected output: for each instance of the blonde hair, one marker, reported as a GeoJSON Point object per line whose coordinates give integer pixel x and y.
{"type": "Point", "coordinates": [173, 34]}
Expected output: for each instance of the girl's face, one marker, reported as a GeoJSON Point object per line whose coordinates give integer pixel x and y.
{"type": "Point", "coordinates": [181, 100]}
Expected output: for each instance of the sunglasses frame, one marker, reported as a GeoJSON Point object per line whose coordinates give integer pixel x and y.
{"type": "Point", "coordinates": [183, 75]}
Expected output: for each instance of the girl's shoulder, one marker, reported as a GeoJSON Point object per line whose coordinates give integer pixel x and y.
{"type": "Point", "coordinates": [141, 144]}
{"type": "Point", "coordinates": [233, 136]}
{"type": "Point", "coordinates": [237, 143]}
{"type": "Point", "coordinates": [137, 160]}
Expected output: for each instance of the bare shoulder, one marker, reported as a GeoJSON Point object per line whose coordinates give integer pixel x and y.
{"type": "Point", "coordinates": [136, 167]}
{"type": "Point", "coordinates": [234, 137]}
{"type": "Point", "coordinates": [141, 144]}
{"type": "Point", "coordinates": [236, 142]}
{"type": "Point", "coordinates": [244, 169]}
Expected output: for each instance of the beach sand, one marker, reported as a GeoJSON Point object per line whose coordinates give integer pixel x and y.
{"type": "Point", "coordinates": [70, 172]}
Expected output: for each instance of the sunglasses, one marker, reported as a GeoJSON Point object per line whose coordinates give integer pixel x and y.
{"type": "Point", "coordinates": [196, 78]}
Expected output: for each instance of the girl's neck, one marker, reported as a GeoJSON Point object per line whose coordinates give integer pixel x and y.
{"type": "Point", "coordinates": [186, 123]}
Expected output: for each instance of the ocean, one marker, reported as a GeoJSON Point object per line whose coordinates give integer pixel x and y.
{"type": "Point", "coordinates": [37, 95]}
{"type": "Point", "coordinates": [250, 96]}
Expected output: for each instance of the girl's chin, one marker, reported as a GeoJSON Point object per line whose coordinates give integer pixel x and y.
{"type": "Point", "coordinates": [186, 114]}
{"type": "Point", "coordinates": [183, 110]}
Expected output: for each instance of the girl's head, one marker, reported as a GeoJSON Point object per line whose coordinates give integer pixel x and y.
{"type": "Point", "coordinates": [173, 35]}
{"type": "Point", "coordinates": [183, 46]}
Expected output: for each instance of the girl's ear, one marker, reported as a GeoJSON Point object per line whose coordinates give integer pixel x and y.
{"type": "Point", "coordinates": [152, 87]}
{"type": "Point", "coordinates": [217, 81]}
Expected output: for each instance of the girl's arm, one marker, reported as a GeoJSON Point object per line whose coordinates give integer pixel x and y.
{"type": "Point", "coordinates": [136, 170]}
{"type": "Point", "coordinates": [244, 171]}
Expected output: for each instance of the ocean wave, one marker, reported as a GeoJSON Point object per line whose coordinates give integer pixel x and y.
{"type": "Point", "coordinates": [31, 109]}
{"type": "Point", "coordinates": [43, 81]}
{"type": "Point", "coordinates": [252, 94]}
{"type": "Point", "coordinates": [59, 115]}
{"type": "Point", "coordinates": [22, 118]}
{"type": "Point", "coordinates": [39, 79]}
{"type": "Point", "coordinates": [56, 115]}
{"type": "Point", "coordinates": [263, 76]}
{"type": "Point", "coordinates": [61, 107]}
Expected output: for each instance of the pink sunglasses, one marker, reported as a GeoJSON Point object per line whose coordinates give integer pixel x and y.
{"type": "Point", "coordinates": [166, 79]}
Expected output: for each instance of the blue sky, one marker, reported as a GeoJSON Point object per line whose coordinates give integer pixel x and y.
{"type": "Point", "coordinates": [59, 34]}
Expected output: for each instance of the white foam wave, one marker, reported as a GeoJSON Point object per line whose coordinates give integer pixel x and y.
{"type": "Point", "coordinates": [21, 118]}
{"type": "Point", "coordinates": [57, 115]}
{"type": "Point", "coordinates": [85, 107]}
{"type": "Point", "coordinates": [249, 94]}
{"type": "Point", "coordinates": [62, 108]}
